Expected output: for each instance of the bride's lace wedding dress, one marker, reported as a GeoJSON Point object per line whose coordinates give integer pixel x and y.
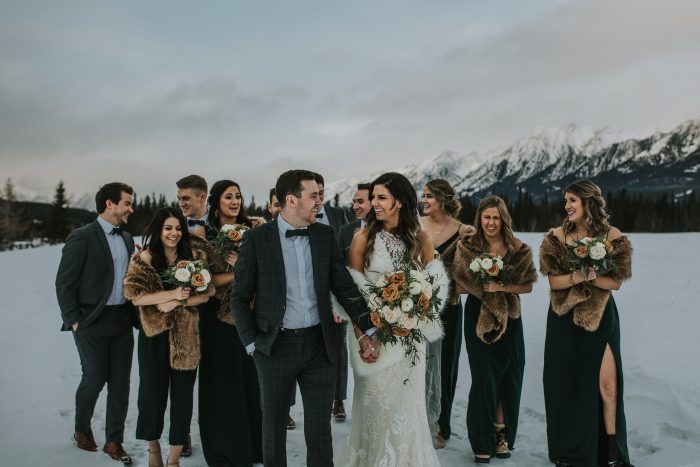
{"type": "Point", "coordinates": [389, 419]}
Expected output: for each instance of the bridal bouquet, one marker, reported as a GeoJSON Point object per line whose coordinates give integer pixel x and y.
{"type": "Point", "coordinates": [193, 274]}
{"type": "Point", "coordinates": [227, 241]}
{"type": "Point", "coordinates": [591, 253]}
{"type": "Point", "coordinates": [489, 267]}
{"type": "Point", "coordinates": [402, 303]}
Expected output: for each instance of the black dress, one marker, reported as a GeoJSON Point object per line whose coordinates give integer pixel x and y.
{"type": "Point", "coordinates": [451, 348]}
{"type": "Point", "coordinates": [230, 419]}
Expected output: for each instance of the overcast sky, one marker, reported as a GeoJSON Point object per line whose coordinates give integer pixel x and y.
{"type": "Point", "coordinates": [147, 92]}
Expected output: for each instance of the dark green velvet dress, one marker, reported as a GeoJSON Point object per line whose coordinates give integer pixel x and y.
{"type": "Point", "coordinates": [572, 359]}
{"type": "Point", "coordinates": [230, 419]}
{"type": "Point", "coordinates": [497, 375]}
{"type": "Point", "coordinates": [449, 357]}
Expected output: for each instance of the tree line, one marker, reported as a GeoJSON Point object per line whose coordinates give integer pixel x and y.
{"type": "Point", "coordinates": [33, 222]}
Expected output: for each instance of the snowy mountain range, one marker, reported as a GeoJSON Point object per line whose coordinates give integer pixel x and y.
{"type": "Point", "coordinates": [549, 159]}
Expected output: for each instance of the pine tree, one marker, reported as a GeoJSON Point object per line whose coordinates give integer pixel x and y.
{"type": "Point", "coordinates": [10, 228]}
{"type": "Point", "coordinates": [58, 225]}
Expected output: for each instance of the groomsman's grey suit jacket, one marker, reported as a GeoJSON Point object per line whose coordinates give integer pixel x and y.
{"type": "Point", "coordinates": [86, 275]}
{"type": "Point", "coordinates": [261, 283]}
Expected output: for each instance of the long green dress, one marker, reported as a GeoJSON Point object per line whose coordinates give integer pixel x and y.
{"type": "Point", "coordinates": [572, 358]}
{"type": "Point", "coordinates": [230, 419]}
{"type": "Point", "coordinates": [449, 356]}
{"type": "Point", "coordinates": [497, 375]}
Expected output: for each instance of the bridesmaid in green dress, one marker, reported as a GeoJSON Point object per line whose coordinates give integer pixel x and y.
{"type": "Point", "coordinates": [493, 330]}
{"type": "Point", "coordinates": [583, 384]}
{"type": "Point", "coordinates": [230, 420]}
{"type": "Point", "coordinates": [441, 209]}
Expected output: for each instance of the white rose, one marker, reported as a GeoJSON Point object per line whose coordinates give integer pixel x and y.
{"type": "Point", "coordinates": [201, 289]}
{"type": "Point", "coordinates": [486, 263]}
{"type": "Point", "coordinates": [597, 252]}
{"type": "Point", "coordinates": [415, 288]}
{"type": "Point", "coordinates": [408, 322]}
{"type": "Point", "coordinates": [192, 266]}
{"type": "Point", "coordinates": [586, 240]}
{"type": "Point", "coordinates": [417, 275]}
{"type": "Point", "coordinates": [475, 266]}
{"type": "Point", "coordinates": [382, 282]}
{"type": "Point", "coordinates": [391, 314]}
{"type": "Point", "coordinates": [183, 275]}
{"type": "Point", "coordinates": [499, 263]}
{"type": "Point", "coordinates": [206, 275]}
{"type": "Point", "coordinates": [406, 304]}
{"type": "Point", "coordinates": [226, 228]}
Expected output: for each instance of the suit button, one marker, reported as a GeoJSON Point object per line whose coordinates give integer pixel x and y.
{"type": "Point", "coordinates": [284, 307]}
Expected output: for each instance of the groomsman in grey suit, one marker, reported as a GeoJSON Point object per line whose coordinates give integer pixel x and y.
{"type": "Point", "coordinates": [89, 288]}
{"type": "Point", "coordinates": [335, 217]}
{"type": "Point", "coordinates": [361, 206]}
{"type": "Point", "coordinates": [286, 271]}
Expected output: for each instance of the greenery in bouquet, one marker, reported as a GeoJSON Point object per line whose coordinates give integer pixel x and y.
{"type": "Point", "coordinates": [402, 303]}
{"type": "Point", "coordinates": [591, 253]}
{"type": "Point", "coordinates": [227, 241]}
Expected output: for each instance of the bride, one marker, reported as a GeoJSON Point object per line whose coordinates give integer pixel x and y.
{"type": "Point", "coordinates": [390, 423]}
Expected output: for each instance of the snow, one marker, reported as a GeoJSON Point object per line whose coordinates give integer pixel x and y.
{"type": "Point", "coordinates": [660, 351]}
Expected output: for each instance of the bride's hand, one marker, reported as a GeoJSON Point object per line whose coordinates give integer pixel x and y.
{"type": "Point", "coordinates": [369, 350]}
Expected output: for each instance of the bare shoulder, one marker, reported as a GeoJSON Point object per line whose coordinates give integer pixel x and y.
{"type": "Point", "coordinates": [424, 239]}
{"type": "Point", "coordinates": [614, 233]}
{"type": "Point", "coordinates": [559, 233]}
{"type": "Point", "coordinates": [359, 240]}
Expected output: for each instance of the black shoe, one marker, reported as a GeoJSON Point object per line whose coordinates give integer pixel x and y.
{"type": "Point", "coordinates": [482, 460]}
{"type": "Point", "coordinates": [617, 463]}
{"type": "Point", "coordinates": [187, 447]}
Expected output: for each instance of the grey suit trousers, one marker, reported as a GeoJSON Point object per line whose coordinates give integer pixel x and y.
{"type": "Point", "coordinates": [297, 356]}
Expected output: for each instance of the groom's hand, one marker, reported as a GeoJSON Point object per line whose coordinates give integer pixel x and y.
{"type": "Point", "coordinates": [369, 350]}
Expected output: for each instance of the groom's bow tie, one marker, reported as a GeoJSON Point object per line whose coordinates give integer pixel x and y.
{"type": "Point", "coordinates": [117, 231]}
{"type": "Point", "coordinates": [319, 215]}
{"type": "Point", "coordinates": [193, 222]}
{"type": "Point", "coordinates": [296, 233]}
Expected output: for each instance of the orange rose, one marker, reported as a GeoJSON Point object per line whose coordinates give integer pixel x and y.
{"type": "Point", "coordinates": [197, 280]}
{"type": "Point", "coordinates": [608, 245]}
{"type": "Point", "coordinates": [391, 293]}
{"type": "Point", "coordinates": [234, 235]}
{"type": "Point", "coordinates": [181, 264]}
{"type": "Point", "coordinates": [401, 332]}
{"type": "Point", "coordinates": [397, 278]}
{"type": "Point", "coordinates": [423, 301]}
{"type": "Point", "coordinates": [493, 270]}
{"type": "Point", "coordinates": [581, 251]}
{"type": "Point", "coordinates": [376, 319]}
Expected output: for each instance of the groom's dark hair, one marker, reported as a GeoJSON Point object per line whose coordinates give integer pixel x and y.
{"type": "Point", "coordinates": [289, 183]}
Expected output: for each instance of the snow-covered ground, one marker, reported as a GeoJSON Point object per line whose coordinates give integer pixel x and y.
{"type": "Point", "coordinates": [660, 349]}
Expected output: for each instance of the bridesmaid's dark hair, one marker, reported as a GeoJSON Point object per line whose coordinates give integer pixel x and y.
{"type": "Point", "coordinates": [478, 238]}
{"type": "Point", "coordinates": [595, 209]}
{"type": "Point", "coordinates": [408, 226]}
{"type": "Point", "coordinates": [214, 200]}
{"type": "Point", "coordinates": [153, 243]}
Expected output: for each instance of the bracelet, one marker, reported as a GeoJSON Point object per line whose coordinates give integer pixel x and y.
{"type": "Point", "coordinates": [360, 338]}
{"type": "Point", "coordinates": [571, 279]}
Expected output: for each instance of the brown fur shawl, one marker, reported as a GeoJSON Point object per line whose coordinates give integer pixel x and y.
{"type": "Point", "coordinates": [587, 301]}
{"type": "Point", "coordinates": [496, 307]}
{"type": "Point", "coordinates": [183, 322]}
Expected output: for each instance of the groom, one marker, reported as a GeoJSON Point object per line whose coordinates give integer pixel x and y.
{"type": "Point", "coordinates": [286, 270]}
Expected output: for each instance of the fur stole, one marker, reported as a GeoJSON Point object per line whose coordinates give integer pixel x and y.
{"type": "Point", "coordinates": [496, 307]}
{"type": "Point", "coordinates": [182, 322]}
{"type": "Point", "coordinates": [587, 301]}
{"type": "Point", "coordinates": [391, 354]}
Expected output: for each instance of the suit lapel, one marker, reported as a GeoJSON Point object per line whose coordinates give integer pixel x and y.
{"type": "Point", "coordinates": [276, 246]}
{"type": "Point", "coordinates": [129, 242]}
{"type": "Point", "coordinates": [109, 261]}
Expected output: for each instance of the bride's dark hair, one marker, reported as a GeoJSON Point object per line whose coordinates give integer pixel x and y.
{"type": "Point", "coordinates": [408, 226]}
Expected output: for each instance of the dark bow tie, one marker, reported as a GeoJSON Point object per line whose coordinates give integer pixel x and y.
{"type": "Point", "coordinates": [296, 233]}
{"type": "Point", "coordinates": [193, 222]}
{"type": "Point", "coordinates": [319, 215]}
{"type": "Point", "coordinates": [117, 231]}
